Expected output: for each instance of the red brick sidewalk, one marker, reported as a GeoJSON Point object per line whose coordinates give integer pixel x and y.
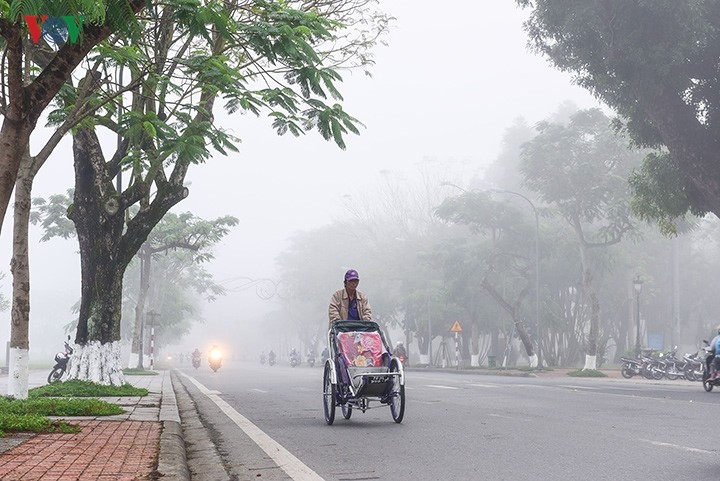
{"type": "Point", "coordinates": [104, 450]}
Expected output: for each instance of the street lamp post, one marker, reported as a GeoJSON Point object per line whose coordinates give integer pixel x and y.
{"type": "Point", "coordinates": [637, 285]}
{"type": "Point", "coordinates": [537, 267]}
{"type": "Point", "coordinates": [537, 260]}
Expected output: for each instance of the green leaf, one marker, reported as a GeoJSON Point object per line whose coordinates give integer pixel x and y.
{"type": "Point", "coordinates": [150, 129]}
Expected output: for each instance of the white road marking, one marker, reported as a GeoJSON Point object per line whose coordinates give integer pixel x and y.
{"type": "Point", "coordinates": [259, 390]}
{"type": "Point", "coordinates": [677, 446]}
{"type": "Point", "coordinates": [438, 386]}
{"type": "Point", "coordinates": [501, 416]}
{"type": "Point", "coordinates": [282, 457]}
{"type": "Point", "coordinates": [482, 385]}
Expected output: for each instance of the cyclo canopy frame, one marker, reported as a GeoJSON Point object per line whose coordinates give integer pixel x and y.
{"type": "Point", "coordinates": [371, 377]}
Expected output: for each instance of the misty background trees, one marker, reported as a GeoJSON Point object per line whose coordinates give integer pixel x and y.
{"type": "Point", "coordinates": [468, 255]}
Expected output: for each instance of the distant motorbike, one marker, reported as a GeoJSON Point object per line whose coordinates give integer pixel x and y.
{"type": "Point", "coordinates": [262, 358]}
{"type": "Point", "coordinates": [271, 358]}
{"type": "Point", "coordinates": [61, 363]}
{"type": "Point", "coordinates": [215, 359]}
{"type": "Point", "coordinates": [311, 359]}
{"type": "Point", "coordinates": [196, 359]}
{"type": "Point", "coordinates": [294, 358]}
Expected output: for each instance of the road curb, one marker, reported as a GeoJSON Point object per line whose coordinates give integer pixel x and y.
{"type": "Point", "coordinates": [172, 461]}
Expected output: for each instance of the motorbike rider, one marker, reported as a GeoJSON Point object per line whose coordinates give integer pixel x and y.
{"type": "Point", "coordinates": [715, 350]}
{"type": "Point", "coordinates": [196, 354]}
{"type": "Point", "coordinates": [400, 350]}
{"type": "Point", "coordinates": [271, 356]}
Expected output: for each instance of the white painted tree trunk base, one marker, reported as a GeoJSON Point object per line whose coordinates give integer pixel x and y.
{"type": "Point", "coordinates": [99, 363]}
{"type": "Point", "coordinates": [474, 360]}
{"type": "Point", "coordinates": [590, 363]}
{"type": "Point", "coordinates": [133, 361]}
{"type": "Point", "coordinates": [18, 373]}
{"type": "Point", "coordinates": [423, 359]}
{"type": "Point", "coordinates": [533, 361]}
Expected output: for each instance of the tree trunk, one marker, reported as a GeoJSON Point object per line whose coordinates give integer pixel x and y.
{"type": "Point", "coordinates": [590, 296]}
{"type": "Point", "coordinates": [519, 325]}
{"type": "Point", "coordinates": [475, 344]}
{"type": "Point", "coordinates": [14, 137]}
{"type": "Point", "coordinates": [20, 268]}
{"type": "Point", "coordinates": [138, 343]}
{"type": "Point", "coordinates": [99, 230]}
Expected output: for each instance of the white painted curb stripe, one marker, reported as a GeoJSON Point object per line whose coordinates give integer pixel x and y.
{"type": "Point", "coordinates": [282, 457]}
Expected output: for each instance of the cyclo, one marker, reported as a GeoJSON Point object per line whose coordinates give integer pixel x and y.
{"type": "Point", "coordinates": [361, 369]}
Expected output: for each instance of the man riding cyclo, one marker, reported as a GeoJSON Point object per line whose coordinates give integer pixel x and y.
{"type": "Point", "coordinates": [348, 303]}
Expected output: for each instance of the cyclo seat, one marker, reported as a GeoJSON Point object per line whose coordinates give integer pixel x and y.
{"type": "Point", "coordinates": [361, 350]}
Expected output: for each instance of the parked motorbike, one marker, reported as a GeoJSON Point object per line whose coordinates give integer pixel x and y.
{"type": "Point", "coordinates": [669, 366]}
{"type": "Point", "coordinates": [215, 359]}
{"type": "Point", "coordinates": [61, 363]}
{"type": "Point", "coordinates": [631, 367]}
{"type": "Point", "coordinates": [693, 366]}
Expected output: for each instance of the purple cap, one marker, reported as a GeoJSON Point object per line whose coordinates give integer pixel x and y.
{"type": "Point", "coordinates": [352, 275]}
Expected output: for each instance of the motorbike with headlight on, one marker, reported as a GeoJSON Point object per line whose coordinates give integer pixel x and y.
{"type": "Point", "coordinates": [215, 358]}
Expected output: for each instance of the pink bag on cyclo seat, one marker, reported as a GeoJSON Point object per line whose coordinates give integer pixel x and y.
{"type": "Point", "coordinates": [361, 349]}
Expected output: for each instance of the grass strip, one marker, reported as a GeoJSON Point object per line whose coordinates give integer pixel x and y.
{"type": "Point", "coordinates": [78, 388]}
{"type": "Point", "coordinates": [33, 423]}
{"type": "Point", "coordinates": [134, 371]}
{"type": "Point", "coordinates": [58, 407]}
{"type": "Point", "coordinates": [29, 415]}
{"type": "Point", "coordinates": [587, 373]}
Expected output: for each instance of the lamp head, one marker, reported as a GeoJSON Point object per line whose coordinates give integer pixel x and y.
{"type": "Point", "coordinates": [637, 284]}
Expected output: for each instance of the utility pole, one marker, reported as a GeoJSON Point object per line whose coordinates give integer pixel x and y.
{"type": "Point", "coordinates": [152, 315]}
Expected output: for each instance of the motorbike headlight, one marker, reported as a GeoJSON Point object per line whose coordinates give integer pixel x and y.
{"type": "Point", "coordinates": [215, 354]}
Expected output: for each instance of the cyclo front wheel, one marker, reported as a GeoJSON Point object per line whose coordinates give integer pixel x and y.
{"type": "Point", "coordinates": [329, 394]}
{"type": "Point", "coordinates": [397, 396]}
{"type": "Point", "coordinates": [346, 410]}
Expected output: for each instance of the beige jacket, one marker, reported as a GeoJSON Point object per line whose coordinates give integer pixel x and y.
{"type": "Point", "coordinates": [340, 303]}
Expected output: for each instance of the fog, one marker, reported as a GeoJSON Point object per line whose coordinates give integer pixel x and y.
{"type": "Point", "coordinates": [443, 90]}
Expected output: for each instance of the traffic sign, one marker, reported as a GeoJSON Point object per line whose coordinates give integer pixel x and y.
{"type": "Point", "coordinates": [456, 327]}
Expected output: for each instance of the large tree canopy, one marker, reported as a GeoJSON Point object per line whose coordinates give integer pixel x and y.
{"type": "Point", "coordinates": [656, 63]}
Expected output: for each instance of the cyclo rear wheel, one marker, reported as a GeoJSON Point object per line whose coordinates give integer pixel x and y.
{"type": "Point", "coordinates": [397, 395]}
{"type": "Point", "coordinates": [329, 394]}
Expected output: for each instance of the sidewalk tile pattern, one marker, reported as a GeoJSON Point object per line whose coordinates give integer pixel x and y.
{"type": "Point", "coordinates": [104, 450]}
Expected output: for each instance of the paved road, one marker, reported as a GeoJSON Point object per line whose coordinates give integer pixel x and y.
{"type": "Point", "coordinates": [459, 426]}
